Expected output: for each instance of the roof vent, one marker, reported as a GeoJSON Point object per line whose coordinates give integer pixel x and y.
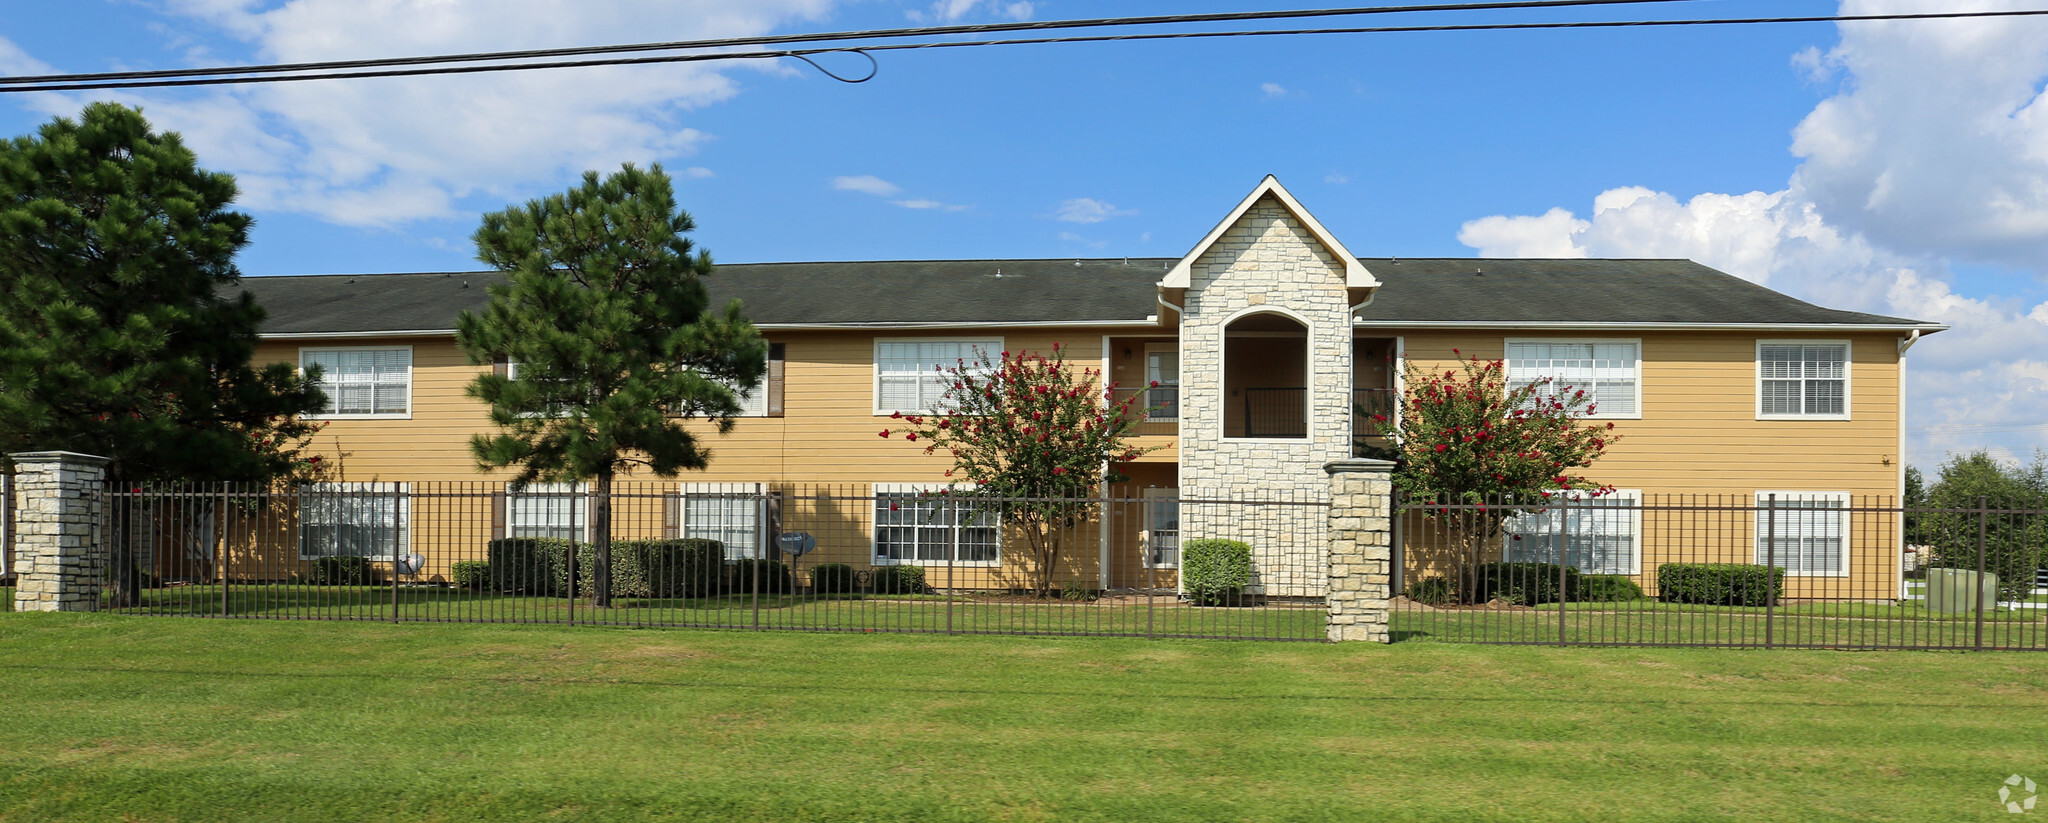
{"type": "Point", "coordinates": [1480, 272]}
{"type": "Point", "coordinates": [999, 274]}
{"type": "Point", "coordinates": [465, 284]}
{"type": "Point", "coordinates": [1077, 262]}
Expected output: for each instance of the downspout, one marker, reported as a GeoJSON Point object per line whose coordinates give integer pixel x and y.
{"type": "Point", "coordinates": [1907, 342]}
{"type": "Point", "coordinates": [1178, 312]}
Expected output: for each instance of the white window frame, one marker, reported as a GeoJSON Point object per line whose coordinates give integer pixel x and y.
{"type": "Point", "coordinates": [411, 365]}
{"type": "Point", "coordinates": [1144, 548]}
{"type": "Point", "coordinates": [386, 490]}
{"type": "Point", "coordinates": [1848, 379]}
{"type": "Point", "coordinates": [1600, 412]}
{"type": "Point", "coordinates": [1635, 537]}
{"type": "Point", "coordinates": [878, 490]}
{"type": "Point", "coordinates": [578, 495]}
{"type": "Point", "coordinates": [993, 345]}
{"type": "Point", "coordinates": [1171, 413]}
{"type": "Point", "coordinates": [1757, 528]}
{"type": "Point", "coordinates": [750, 493]}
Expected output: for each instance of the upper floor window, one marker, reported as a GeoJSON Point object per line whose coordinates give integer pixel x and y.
{"type": "Point", "coordinates": [911, 376]}
{"type": "Point", "coordinates": [363, 382]}
{"type": "Point", "coordinates": [1610, 372]}
{"type": "Point", "coordinates": [1802, 379]}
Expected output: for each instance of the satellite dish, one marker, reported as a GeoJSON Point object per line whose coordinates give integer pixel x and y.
{"type": "Point", "coordinates": [796, 544]}
{"type": "Point", "coordinates": [410, 564]}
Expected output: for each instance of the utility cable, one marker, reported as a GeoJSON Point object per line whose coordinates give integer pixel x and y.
{"type": "Point", "coordinates": [867, 50]}
{"type": "Point", "coordinates": [828, 37]}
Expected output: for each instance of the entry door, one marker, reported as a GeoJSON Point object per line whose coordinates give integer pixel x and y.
{"type": "Point", "coordinates": [1162, 366]}
{"type": "Point", "coordinates": [1162, 528]}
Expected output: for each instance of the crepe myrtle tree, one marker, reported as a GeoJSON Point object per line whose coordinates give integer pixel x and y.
{"type": "Point", "coordinates": [1470, 447]}
{"type": "Point", "coordinates": [1033, 437]}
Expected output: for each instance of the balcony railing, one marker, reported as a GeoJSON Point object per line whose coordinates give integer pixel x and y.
{"type": "Point", "coordinates": [1267, 412]}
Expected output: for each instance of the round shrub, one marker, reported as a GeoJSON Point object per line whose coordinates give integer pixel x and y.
{"type": "Point", "coordinates": [1719, 584]}
{"type": "Point", "coordinates": [1214, 572]}
{"type": "Point", "coordinates": [340, 571]}
{"type": "Point", "coordinates": [1525, 584]}
{"type": "Point", "coordinates": [832, 578]}
{"type": "Point", "coordinates": [773, 577]}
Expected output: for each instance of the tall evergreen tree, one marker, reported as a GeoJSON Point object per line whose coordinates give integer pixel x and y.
{"type": "Point", "coordinates": [607, 322]}
{"type": "Point", "coordinates": [121, 332]}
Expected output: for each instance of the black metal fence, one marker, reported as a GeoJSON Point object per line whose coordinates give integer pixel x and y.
{"type": "Point", "coordinates": [742, 556]}
{"type": "Point", "coordinates": [1774, 569]}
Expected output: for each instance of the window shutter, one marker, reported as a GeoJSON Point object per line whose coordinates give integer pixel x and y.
{"type": "Point", "coordinates": [498, 514]}
{"type": "Point", "coordinates": [501, 366]}
{"type": "Point", "coordinates": [671, 516]}
{"type": "Point", "coordinates": [776, 354]}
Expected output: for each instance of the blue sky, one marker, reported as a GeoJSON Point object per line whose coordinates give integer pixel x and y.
{"type": "Point", "coordinates": [1898, 168]}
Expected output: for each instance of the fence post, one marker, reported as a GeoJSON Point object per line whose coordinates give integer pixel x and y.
{"type": "Point", "coordinates": [1358, 561]}
{"type": "Point", "coordinates": [398, 524]}
{"type": "Point", "coordinates": [1564, 542]}
{"type": "Point", "coordinates": [220, 525]}
{"type": "Point", "coordinates": [1983, 510]}
{"type": "Point", "coordinates": [1770, 569]}
{"type": "Point", "coordinates": [60, 555]}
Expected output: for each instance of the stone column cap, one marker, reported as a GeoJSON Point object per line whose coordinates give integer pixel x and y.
{"type": "Point", "coordinates": [59, 457]}
{"type": "Point", "coordinates": [1358, 464]}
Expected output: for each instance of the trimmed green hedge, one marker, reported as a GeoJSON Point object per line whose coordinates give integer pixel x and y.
{"type": "Point", "coordinates": [340, 571]}
{"type": "Point", "coordinates": [1607, 588]}
{"type": "Point", "coordinates": [1214, 571]}
{"type": "Point", "coordinates": [1526, 584]}
{"type": "Point", "coordinates": [896, 580]}
{"type": "Point", "coordinates": [473, 575]}
{"type": "Point", "coordinates": [832, 578]}
{"type": "Point", "coordinates": [689, 567]}
{"type": "Point", "coordinates": [1719, 584]}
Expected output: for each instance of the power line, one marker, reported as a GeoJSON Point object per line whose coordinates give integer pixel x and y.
{"type": "Point", "coordinates": [866, 51]}
{"type": "Point", "coordinates": [827, 37]}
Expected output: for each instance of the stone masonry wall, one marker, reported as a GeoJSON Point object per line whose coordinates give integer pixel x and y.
{"type": "Point", "coordinates": [1267, 260]}
{"type": "Point", "coordinates": [59, 558]}
{"type": "Point", "coordinates": [1361, 549]}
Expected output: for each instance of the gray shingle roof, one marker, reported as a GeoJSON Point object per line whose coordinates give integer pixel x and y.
{"type": "Point", "coordinates": [1439, 290]}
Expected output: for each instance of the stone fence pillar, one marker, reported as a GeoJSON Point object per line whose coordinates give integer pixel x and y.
{"type": "Point", "coordinates": [1361, 549]}
{"type": "Point", "coordinates": [59, 558]}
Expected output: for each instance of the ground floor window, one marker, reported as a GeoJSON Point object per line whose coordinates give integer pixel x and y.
{"type": "Point", "coordinates": [729, 513]}
{"type": "Point", "coordinates": [354, 520]}
{"type": "Point", "coordinates": [1805, 533]}
{"type": "Point", "coordinates": [1162, 528]}
{"type": "Point", "coordinates": [914, 526]}
{"type": "Point", "coordinates": [548, 510]}
{"type": "Point", "coordinates": [1596, 535]}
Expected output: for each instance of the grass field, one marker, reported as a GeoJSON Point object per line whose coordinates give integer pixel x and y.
{"type": "Point", "coordinates": [110, 718]}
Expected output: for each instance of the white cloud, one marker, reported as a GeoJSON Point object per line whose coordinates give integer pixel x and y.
{"type": "Point", "coordinates": [921, 203]}
{"type": "Point", "coordinates": [376, 152]}
{"type": "Point", "coordinates": [1088, 210]}
{"type": "Point", "coordinates": [15, 61]}
{"type": "Point", "coordinates": [1078, 240]}
{"type": "Point", "coordinates": [1935, 149]}
{"type": "Point", "coordinates": [866, 184]}
{"type": "Point", "coordinates": [1335, 178]}
{"type": "Point", "coordinates": [698, 172]}
{"type": "Point", "coordinates": [1273, 89]}
{"type": "Point", "coordinates": [947, 11]}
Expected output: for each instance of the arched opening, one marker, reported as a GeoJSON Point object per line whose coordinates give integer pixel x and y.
{"type": "Point", "coordinates": [1265, 377]}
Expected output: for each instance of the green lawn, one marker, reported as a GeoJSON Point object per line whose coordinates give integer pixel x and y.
{"type": "Point", "coordinates": [106, 717]}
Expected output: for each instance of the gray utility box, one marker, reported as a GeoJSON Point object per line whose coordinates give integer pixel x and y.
{"type": "Point", "coordinates": [1957, 590]}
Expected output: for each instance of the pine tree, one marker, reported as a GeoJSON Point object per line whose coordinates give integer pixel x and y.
{"type": "Point", "coordinates": [605, 316]}
{"type": "Point", "coordinates": [118, 336]}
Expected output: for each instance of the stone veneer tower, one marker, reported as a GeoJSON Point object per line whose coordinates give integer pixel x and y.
{"type": "Point", "coordinates": [1268, 256]}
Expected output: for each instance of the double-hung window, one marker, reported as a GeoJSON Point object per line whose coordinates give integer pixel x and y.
{"type": "Point", "coordinates": [1162, 528]}
{"type": "Point", "coordinates": [1805, 533]}
{"type": "Point", "coordinates": [1596, 535]}
{"type": "Point", "coordinates": [363, 382]}
{"type": "Point", "coordinates": [548, 510]}
{"type": "Point", "coordinates": [729, 513]}
{"type": "Point", "coordinates": [911, 375]}
{"type": "Point", "coordinates": [915, 527]}
{"type": "Point", "coordinates": [1802, 379]}
{"type": "Point", "coordinates": [1610, 372]}
{"type": "Point", "coordinates": [354, 520]}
